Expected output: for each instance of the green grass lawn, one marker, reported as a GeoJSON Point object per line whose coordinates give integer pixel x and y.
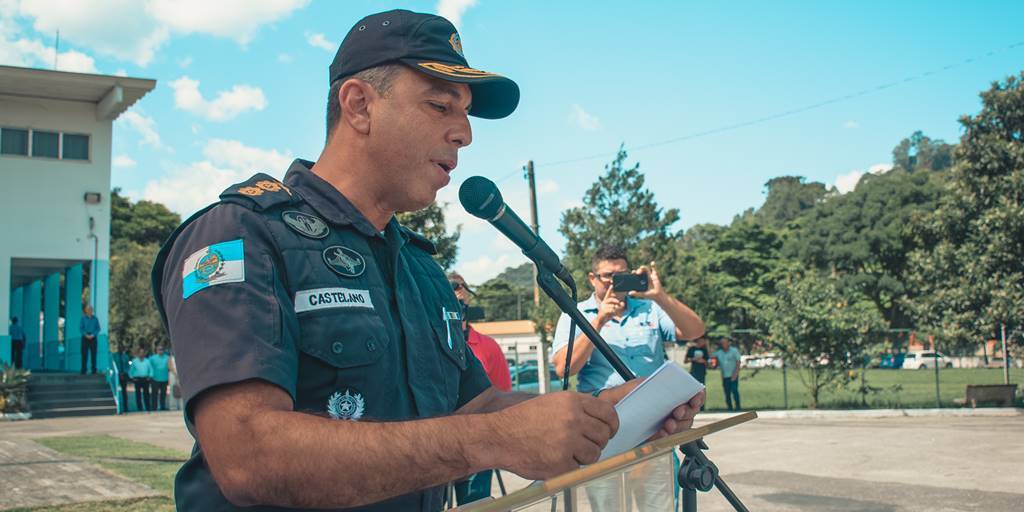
{"type": "Point", "coordinates": [147, 464]}
{"type": "Point", "coordinates": [763, 389]}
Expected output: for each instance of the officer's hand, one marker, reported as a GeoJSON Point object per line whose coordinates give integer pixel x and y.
{"type": "Point", "coordinates": [555, 433]}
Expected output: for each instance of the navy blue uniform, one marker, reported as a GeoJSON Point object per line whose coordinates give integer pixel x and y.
{"type": "Point", "coordinates": [288, 283]}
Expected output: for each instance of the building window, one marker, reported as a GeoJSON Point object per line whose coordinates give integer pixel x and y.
{"type": "Point", "coordinates": [45, 144]}
{"type": "Point", "coordinates": [13, 141]}
{"type": "Point", "coordinates": [75, 147]}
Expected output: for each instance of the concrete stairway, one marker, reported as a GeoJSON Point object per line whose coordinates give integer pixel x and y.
{"type": "Point", "coordinates": [52, 395]}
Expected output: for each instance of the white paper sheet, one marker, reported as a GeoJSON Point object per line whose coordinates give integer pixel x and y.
{"type": "Point", "coordinates": [642, 411]}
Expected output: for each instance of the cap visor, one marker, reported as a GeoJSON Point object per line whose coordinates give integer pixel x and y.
{"type": "Point", "coordinates": [494, 96]}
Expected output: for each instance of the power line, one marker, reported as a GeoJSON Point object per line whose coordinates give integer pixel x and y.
{"type": "Point", "coordinates": [779, 115]}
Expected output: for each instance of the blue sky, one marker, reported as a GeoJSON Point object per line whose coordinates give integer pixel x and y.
{"type": "Point", "coordinates": [242, 86]}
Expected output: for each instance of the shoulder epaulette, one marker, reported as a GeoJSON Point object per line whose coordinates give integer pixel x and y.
{"type": "Point", "coordinates": [259, 192]}
{"type": "Point", "coordinates": [420, 241]}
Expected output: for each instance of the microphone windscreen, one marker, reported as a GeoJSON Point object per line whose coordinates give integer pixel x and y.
{"type": "Point", "coordinates": [480, 197]}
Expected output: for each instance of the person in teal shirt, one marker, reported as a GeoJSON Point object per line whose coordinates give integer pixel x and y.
{"type": "Point", "coordinates": [729, 363]}
{"type": "Point", "coordinates": [141, 373]}
{"type": "Point", "coordinates": [161, 374]}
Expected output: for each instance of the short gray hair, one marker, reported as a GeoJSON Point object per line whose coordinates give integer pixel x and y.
{"type": "Point", "coordinates": [379, 77]}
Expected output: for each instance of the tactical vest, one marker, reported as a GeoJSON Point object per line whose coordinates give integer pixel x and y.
{"type": "Point", "coordinates": [347, 360]}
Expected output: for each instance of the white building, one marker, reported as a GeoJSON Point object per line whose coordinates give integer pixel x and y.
{"type": "Point", "coordinates": [55, 155]}
{"type": "Point", "coordinates": [517, 338]}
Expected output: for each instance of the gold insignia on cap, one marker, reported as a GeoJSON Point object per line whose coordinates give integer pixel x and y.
{"type": "Point", "coordinates": [456, 43]}
{"type": "Point", "coordinates": [455, 70]}
{"type": "Point", "coordinates": [251, 191]}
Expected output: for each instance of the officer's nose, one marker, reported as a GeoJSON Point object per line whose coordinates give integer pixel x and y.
{"type": "Point", "coordinates": [462, 133]}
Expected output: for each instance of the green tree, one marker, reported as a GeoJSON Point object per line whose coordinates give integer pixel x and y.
{"type": "Point", "coordinates": [502, 300]}
{"type": "Point", "coordinates": [134, 320]}
{"type": "Point", "coordinates": [919, 152]}
{"type": "Point", "coordinates": [819, 329]}
{"type": "Point", "coordinates": [143, 222]}
{"type": "Point", "coordinates": [864, 237]}
{"type": "Point", "coordinates": [619, 209]}
{"type": "Point", "coordinates": [786, 197]}
{"type": "Point", "coordinates": [430, 223]}
{"type": "Point", "coordinates": [969, 271]}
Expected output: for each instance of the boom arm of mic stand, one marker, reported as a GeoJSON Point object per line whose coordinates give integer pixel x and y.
{"type": "Point", "coordinates": [547, 282]}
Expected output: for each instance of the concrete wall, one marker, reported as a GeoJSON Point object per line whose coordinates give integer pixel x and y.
{"type": "Point", "coordinates": [43, 212]}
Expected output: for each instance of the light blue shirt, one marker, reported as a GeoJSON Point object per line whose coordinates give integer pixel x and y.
{"type": "Point", "coordinates": [89, 325]}
{"type": "Point", "coordinates": [139, 368]}
{"type": "Point", "coordinates": [158, 363]}
{"type": "Point", "coordinates": [728, 361]}
{"type": "Point", "coordinates": [637, 338]}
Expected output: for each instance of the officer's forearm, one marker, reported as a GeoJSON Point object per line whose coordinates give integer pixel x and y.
{"type": "Point", "coordinates": [492, 400]}
{"type": "Point", "coordinates": [262, 452]}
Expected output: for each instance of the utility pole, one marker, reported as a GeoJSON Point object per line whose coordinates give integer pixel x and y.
{"type": "Point", "coordinates": [1006, 355]}
{"type": "Point", "coordinates": [56, 50]}
{"type": "Point", "coordinates": [542, 348]}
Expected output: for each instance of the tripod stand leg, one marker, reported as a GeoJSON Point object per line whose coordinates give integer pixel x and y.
{"type": "Point", "coordinates": [729, 495]}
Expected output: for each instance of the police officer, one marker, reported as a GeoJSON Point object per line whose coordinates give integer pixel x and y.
{"type": "Point", "coordinates": [318, 344]}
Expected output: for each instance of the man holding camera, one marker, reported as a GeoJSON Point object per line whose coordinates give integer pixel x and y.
{"type": "Point", "coordinates": [635, 320]}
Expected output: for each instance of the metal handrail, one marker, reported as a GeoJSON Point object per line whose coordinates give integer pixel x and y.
{"type": "Point", "coordinates": [114, 381]}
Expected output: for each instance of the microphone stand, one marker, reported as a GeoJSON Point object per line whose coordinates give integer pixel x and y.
{"type": "Point", "coordinates": [696, 473]}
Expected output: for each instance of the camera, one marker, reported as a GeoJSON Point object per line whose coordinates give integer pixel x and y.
{"type": "Point", "coordinates": [629, 282]}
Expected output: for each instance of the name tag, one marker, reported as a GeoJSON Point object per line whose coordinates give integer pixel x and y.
{"type": "Point", "coordinates": [325, 298]}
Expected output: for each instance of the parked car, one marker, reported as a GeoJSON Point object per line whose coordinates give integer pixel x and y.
{"type": "Point", "coordinates": [524, 378]}
{"type": "Point", "coordinates": [921, 359]}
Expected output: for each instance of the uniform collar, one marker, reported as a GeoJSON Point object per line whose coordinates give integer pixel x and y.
{"type": "Point", "coordinates": [327, 200]}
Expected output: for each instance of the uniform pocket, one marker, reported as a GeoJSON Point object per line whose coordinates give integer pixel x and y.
{"type": "Point", "coordinates": [451, 341]}
{"type": "Point", "coordinates": [343, 340]}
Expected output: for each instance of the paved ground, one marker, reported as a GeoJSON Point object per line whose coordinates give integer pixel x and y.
{"type": "Point", "coordinates": [32, 475]}
{"type": "Point", "coordinates": [839, 462]}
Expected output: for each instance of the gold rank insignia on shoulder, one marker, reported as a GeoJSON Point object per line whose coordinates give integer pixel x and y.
{"type": "Point", "coordinates": [263, 186]}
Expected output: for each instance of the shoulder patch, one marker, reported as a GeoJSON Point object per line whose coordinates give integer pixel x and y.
{"type": "Point", "coordinates": [215, 264]}
{"type": "Point", "coordinates": [420, 241]}
{"type": "Point", "coordinates": [259, 192]}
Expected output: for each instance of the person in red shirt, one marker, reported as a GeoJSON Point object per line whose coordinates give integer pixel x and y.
{"type": "Point", "coordinates": [484, 347]}
{"type": "Point", "coordinates": [478, 485]}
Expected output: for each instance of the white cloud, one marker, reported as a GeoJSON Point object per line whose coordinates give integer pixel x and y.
{"type": "Point", "coordinates": [145, 126]}
{"type": "Point", "coordinates": [121, 72]}
{"type": "Point", "coordinates": [454, 9]}
{"type": "Point", "coordinates": [583, 119]}
{"type": "Point", "coordinates": [318, 40]}
{"type": "Point", "coordinates": [123, 161]}
{"type": "Point", "coordinates": [191, 187]}
{"type": "Point", "coordinates": [546, 187]}
{"type": "Point", "coordinates": [134, 30]}
{"type": "Point", "coordinates": [284, 58]}
{"type": "Point", "coordinates": [20, 51]}
{"type": "Point", "coordinates": [228, 104]}
{"type": "Point", "coordinates": [115, 28]}
{"type": "Point", "coordinates": [233, 19]}
{"type": "Point", "coordinates": [847, 182]}
{"type": "Point", "coordinates": [851, 124]}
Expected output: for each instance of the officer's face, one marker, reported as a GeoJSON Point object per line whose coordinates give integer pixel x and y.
{"type": "Point", "coordinates": [416, 133]}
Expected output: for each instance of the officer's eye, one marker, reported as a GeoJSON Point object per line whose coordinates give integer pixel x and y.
{"type": "Point", "coordinates": [440, 107]}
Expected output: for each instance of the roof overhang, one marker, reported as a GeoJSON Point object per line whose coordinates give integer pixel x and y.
{"type": "Point", "coordinates": [112, 95]}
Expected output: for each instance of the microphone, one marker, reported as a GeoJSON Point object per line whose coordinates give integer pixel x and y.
{"type": "Point", "coordinates": [481, 198]}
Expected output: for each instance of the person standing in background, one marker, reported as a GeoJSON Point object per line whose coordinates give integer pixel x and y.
{"type": "Point", "coordinates": [158, 387]}
{"type": "Point", "coordinates": [174, 383]}
{"type": "Point", "coordinates": [17, 343]}
{"type": "Point", "coordinates": [729, 364]}
{"type": "Point", "coordinates": [141, 373]}
{"type": "Point", "coordinates": [121, 358]}
{"type": "Point", "coordinates": [89, 326]}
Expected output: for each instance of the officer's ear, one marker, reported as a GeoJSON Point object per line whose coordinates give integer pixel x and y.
{"type": "Point", "coordinates": [355, 97]}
